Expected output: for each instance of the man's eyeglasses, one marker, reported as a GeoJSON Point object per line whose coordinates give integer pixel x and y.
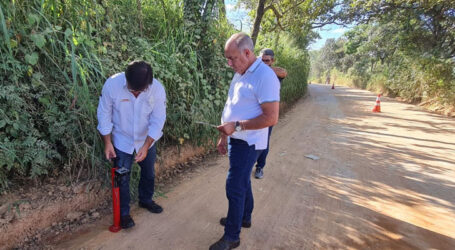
{"type": "Point", "coordinates": [266, 60]}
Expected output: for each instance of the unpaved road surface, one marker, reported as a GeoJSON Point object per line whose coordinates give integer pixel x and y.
{"type": "Point", "coordinates": [383, 181]}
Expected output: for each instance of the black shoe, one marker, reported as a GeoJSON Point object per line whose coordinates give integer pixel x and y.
{"type": "Point", "coordinates": [246, 224]}
{"type": "Point", "coordinates": [223, 244]}
{"type": "Point", "coordinates": [152, 207]}
{"type": "Point", "coordinates": [126, 222]}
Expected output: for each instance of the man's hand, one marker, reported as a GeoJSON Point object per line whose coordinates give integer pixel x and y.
{"type": "Point", "coordinates": [140, 156]}
{"type": "Point", "coordinates": [222, 145]}
{"type": "Point", "coordinates": [109, 151]}
{"type": "Point", "coordinates": [227, 128]}
{"type": "Point", "coordinates": [280, 72]}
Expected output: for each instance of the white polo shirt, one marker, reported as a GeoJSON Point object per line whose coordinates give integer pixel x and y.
{"type": "Point", "coordinates": [258, 85]}
{"type": "Point", "coordinates": [130, 119]}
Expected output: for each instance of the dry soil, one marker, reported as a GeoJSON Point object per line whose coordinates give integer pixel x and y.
{"type": "Point", "coordinates": [383, 181]}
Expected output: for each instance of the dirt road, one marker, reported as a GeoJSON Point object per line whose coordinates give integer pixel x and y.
{"type": "Point", "coordinates": [383, 181]}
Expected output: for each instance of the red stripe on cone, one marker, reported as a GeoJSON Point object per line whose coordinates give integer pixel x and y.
{"type": "Point", "coordinates": [377, 106]}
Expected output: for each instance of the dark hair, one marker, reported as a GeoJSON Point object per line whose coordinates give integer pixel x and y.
{"type": "Point", "coordinates": [139, 75]}
{"type": "Point", "coordinates": [267, 52]}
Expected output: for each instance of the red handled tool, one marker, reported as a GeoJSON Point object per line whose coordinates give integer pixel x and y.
{"type": "Point", "coordinates": [115, 201]}
{"type": "Point", "coordinates": [116, 174]}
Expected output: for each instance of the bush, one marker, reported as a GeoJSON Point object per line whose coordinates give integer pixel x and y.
{"type": "Point", "coordinates": [55, 58]}
{"type": "Point", "coordinates": [295, 60]}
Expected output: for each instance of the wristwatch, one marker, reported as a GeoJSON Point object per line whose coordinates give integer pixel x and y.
{"type": "Point", "coordinates": [238, 128]}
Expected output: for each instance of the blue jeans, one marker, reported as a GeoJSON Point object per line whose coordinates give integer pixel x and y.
{"type": "Point", "coordinates": [146, 182]}
{"type": "Point", "coordinates": [238, 187]}
{"type": "Point", "coordinates": [263, 155]}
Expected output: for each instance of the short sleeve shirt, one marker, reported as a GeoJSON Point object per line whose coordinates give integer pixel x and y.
{"type": "Point", "coordinates": [258, 85]}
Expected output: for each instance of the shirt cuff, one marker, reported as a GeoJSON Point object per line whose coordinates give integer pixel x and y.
{"type": "Point", "coordinates": [155, 135]}
{"type": "Point", "coordinates": [104, 131]}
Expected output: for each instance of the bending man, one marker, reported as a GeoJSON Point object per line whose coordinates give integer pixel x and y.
{"type": "Point", "coordinates": [131, 116]}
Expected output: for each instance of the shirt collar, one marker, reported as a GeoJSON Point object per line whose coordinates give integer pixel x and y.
{"type": "Point", "coordinates": [255, 65]}
{"type": "Point", "coordinates": [124, 84]}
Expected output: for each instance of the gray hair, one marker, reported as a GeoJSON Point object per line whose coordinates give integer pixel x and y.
{"type": "Point", "coordinates": [243, 41]}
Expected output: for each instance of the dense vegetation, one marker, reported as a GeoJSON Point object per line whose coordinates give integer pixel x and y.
{"type": "Point", "coordinates": [402, 48]}
{"type": "Point", "coordinates": [56, 54]}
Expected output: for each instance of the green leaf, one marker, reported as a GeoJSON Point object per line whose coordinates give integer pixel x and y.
{"type": "Point", "coordinates": [68, 32]}
{"type": "Point", "coordinates": [31, 59]}
{"type": "Point", "coordinates": [75, 41]}
{"type": "Point", "coordinates": [39, 40]}
{"type": "Point", "coordinates": [13, 43]}
{"type": "Point", "coordinates": [44, 101]}
{"type": "Point", "coordinates": [32, 19]}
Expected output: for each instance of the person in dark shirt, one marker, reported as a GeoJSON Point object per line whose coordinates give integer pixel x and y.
{"type": "Point", "coordinates": [268, 57]}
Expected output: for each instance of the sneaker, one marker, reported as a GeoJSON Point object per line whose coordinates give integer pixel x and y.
{"type": "Point", "coordinates": [152, 207]}
{"type": "Point", "coordinates": [259, 174]}
{"type": "Point", "coordinates": [223, 244]}
{"type": "Point", "coordinates": [126, 222]}
{"type": "Point", "coordinates": [245, 224]}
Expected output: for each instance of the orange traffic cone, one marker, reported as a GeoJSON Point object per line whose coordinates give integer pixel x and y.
{"type": "Point", "coordinates": [377, 107]}
{"type": "Point", "coordinates": [333, 85]}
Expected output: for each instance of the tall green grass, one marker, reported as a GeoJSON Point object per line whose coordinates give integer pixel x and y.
{"type": "Point", "coordinates": [55, 57]}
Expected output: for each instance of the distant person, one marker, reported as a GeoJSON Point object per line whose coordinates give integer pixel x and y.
{"type": "Point", "coordinates": [268, 57]}
{"type": "Point", "coordinates": [131, 116]}
{"type": "Point", "coordinates": [251, 107]}
{"type": "Point", "coordinates": [327, 80]}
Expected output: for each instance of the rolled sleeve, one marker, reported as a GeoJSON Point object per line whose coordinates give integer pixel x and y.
{"type": "Point", "coordinates": [104, 112]}
{"type": "Point", "coordinates": [158, 116]}
{"type": "Point", "coordinates": [268, 90]}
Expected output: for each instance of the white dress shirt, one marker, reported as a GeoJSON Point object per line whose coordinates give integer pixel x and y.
{"type": "Point", "coordinates": [258, 85]}
{"type": "Point", "coordinates": [128, 118]}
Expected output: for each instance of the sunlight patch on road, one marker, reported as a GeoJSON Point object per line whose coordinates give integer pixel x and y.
{"type": "Point", "coordinates": [421, 210]}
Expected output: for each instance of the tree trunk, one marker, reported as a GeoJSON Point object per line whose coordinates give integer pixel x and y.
{"type": "Point", "coordinates": [139, 10]}
{"type": "Point", "coordinates": [277, 40]}
{"type": "Point", "coordinates": [257, 20]}
{"type": "Point", "coordinates": [222, 10]}
{"type": "Point", "coordinates": [208, 10]}
{"type": "Point", "coordinates": [191, 12]}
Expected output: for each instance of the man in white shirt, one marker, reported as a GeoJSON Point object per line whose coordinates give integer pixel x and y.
{"type": "Point", "coordinates": [252, 106]}
{"type": "Point", "coordinates": [131, 115]}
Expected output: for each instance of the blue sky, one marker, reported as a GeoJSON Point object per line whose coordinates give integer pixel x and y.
{"type": "Point", "coordinates": [239, 17]}
{"type": "Point", "coordinates": [329, 31]}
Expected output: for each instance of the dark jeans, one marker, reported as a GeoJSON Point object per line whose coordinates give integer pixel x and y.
{"type": "Point", "coordinates": [263, 155]}
{"type": "Point", "coordinates": [146, 182]}
{"type": "Point", "coordinates": [238, 187]}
